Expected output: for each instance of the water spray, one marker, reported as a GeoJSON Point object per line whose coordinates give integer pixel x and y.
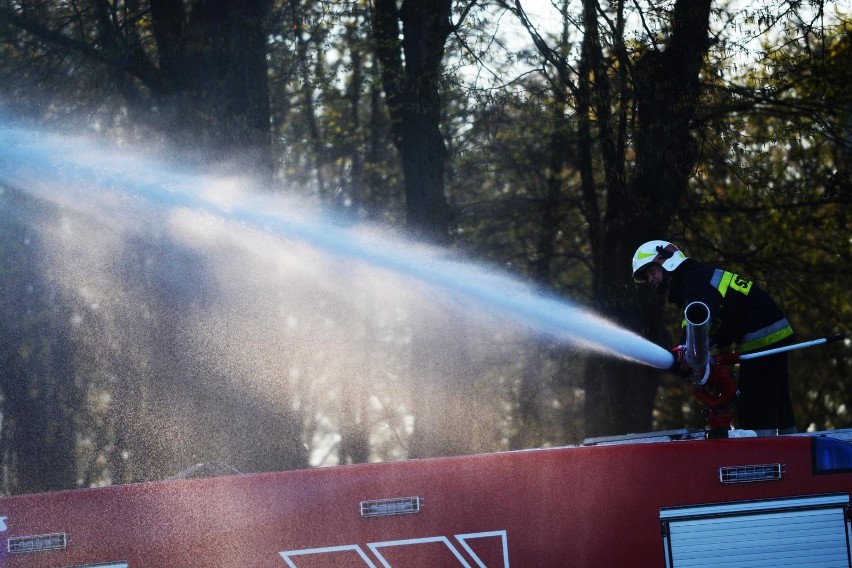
{"type": "Point", "coordinates": [62, 169]}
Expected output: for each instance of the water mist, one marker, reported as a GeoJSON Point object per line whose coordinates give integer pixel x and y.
{"type": "Point", "coordinates": [204, 308]}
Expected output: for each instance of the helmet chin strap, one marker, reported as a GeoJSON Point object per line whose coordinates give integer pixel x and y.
{"type": "Point", "coordinates": [663, 253]}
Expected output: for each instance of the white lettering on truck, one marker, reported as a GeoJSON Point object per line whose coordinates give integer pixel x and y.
{"type": "Point", "coordinates": [3, 524]}
{"type": "Point", "coordinates": [375, 548]}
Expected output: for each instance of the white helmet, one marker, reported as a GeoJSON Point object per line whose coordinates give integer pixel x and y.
{"type": "Point", "coordinates": [663, 253]}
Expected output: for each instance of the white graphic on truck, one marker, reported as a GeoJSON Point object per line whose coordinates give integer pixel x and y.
{"type": "Point", "coordinates": [464, 540]}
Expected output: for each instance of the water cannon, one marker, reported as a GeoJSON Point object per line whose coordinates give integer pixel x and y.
{"type": "Point", "coordinates": [697, 350]}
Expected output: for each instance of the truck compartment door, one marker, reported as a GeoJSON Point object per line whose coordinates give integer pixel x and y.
{"type": "Point", "coordinates": [802, 531]}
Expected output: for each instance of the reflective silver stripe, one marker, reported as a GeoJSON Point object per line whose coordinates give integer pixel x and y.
{"type": "Point", "coordinates": [717, 277]}
{"type": "Point", "coordinates": [722, 280]}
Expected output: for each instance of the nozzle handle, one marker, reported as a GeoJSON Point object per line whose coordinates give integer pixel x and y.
{"type": "Point", "coordinates": [732, 358]}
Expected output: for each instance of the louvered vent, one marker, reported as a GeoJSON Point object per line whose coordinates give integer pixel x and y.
{"type": "Point", "coordinates": [37, 543]}
{"type": "Point", "coordinates": [387, 507]}
{"type": "Point", "coordinates": [751, 473]}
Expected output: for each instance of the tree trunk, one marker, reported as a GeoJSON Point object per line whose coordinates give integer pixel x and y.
{"type": "Point", "coordinates": [411, 72]}
{"type": "Point", "coordinates": [413, 98]}
{"type": "Point", "coordinates": [233, 78]}
{"type": "Point", "coordinates": [208, 80]}
{"type": "Point", "coordinates": [620, 396]}
{"type": "Point", "coordinates": [39, 398]}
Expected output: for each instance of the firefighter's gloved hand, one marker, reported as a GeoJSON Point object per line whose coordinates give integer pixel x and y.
{"type": "Point", "coordinates": [680, 366]}
{"type": "Point", "coordinates": [719, 390]}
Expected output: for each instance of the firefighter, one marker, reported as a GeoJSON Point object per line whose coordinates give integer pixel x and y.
{"type": "Point", "coordinates": [742, 314]}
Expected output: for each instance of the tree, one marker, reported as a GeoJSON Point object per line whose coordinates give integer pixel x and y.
{"type": "Point", "coordinates": [40, 398]}
{"type": "Point", "coordinates": [662, 85]}
{"type": "Point", "coordinates": [666, 88]}
{"type": "Point", "coordinates": [331, 123]}
{"type": "Point", "coordinates": [411, 73]}
{"type": "Point", "coordinates": [771, 198]}
{"type": "Point", "coordinates": [199, 73]}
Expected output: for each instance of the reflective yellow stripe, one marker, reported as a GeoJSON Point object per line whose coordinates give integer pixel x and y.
{"type": "Point", "coordinates": [724, 283]}
{"type": "Point", "coordinates": [722, 280]}
{"type": "Point", "coordinates": [760, 342]}
{"type": "Point", "coordinates": [740, 284]}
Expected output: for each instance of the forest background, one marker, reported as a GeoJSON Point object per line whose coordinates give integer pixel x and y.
{"type": "Point", "coordinates": [546, 141]}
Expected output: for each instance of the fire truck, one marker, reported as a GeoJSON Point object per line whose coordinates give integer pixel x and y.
{"type": "Point", "coordinates": [665, 499]}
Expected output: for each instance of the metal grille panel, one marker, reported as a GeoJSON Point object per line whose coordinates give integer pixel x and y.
{"type": "Point", "coordinates": [36, 543]}
{"type": "Point", "coordinates": [751, 473]}
{"type": "Point", "coordinates": [388, 507]}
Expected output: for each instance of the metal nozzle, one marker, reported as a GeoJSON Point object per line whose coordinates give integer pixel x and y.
{"type": "Point", "coordinates": [697, 317]}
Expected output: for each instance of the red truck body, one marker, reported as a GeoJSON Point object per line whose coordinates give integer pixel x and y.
{"type": "Point", "coordinates": [601, 504]}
